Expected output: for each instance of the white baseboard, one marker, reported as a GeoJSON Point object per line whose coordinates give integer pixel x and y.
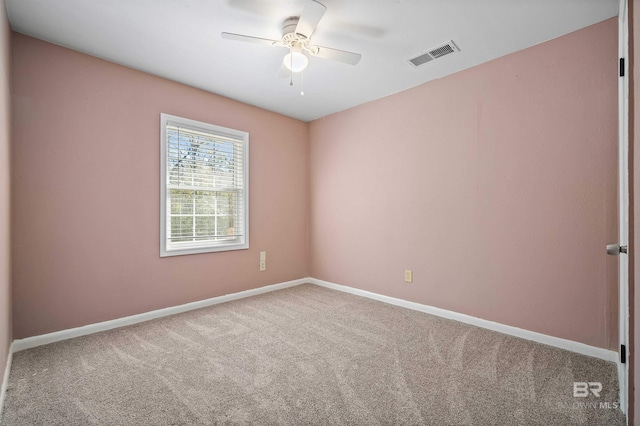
{"type": "Point", "coordinates": [569, 345]}
{"type": "Point", "coordinates": [32, 342]}
{"type": "Point", "coordinates": [581, 348]}
{"type": "Point", "coordinates": [5, 382]}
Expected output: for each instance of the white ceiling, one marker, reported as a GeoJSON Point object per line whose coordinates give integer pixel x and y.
{"type": "Point", "coordinates": [180, 40]}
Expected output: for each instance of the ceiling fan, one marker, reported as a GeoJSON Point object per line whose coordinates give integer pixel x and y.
{"type": "Point", "coordinates": [296, 36]}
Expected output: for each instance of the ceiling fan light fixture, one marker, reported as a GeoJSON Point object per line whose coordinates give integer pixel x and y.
{"type": "Point", "coordinates": [296, 61]}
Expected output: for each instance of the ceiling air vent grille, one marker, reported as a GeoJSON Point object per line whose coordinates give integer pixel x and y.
{"type": "Point", "coordinates": [435, 53]}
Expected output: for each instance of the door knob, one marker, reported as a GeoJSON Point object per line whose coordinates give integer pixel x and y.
{"type": "Point", "coordinates": [614, 249]}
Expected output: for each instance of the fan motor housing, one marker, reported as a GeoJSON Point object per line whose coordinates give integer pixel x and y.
{"type": "Point", "coordinates": [289, 26]}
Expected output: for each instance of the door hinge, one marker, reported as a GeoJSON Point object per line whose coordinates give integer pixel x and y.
{"type": "Point", "coordinates": [621, 67]}
{"type": "Point", "coordinates": [623, 354]}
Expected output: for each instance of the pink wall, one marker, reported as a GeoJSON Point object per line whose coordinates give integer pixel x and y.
{"type": "Point", "coordinates": [5, 198]}
{"type": "Point", "coordinates": [86, 193]}
{"type": "Point", "coordinates": [496, 186]}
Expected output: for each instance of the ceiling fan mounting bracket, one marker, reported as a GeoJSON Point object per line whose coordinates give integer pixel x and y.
{"type": "Point", "coordinates": [289, 25]}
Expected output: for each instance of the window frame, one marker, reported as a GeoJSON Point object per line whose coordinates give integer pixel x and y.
{"type": "Point", "coordinates": [203, 246]}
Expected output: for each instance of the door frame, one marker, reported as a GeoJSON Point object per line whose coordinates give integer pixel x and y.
{"type": "Point", "coordinates": [623, 203]}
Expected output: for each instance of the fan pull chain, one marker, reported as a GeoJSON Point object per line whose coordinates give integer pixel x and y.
{"type": "Point", "coordinates": [301, 83]}
{"type": "Point", "coordinates": [291, 72]}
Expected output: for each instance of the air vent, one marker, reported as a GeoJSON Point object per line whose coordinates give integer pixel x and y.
{"type": "Point", "coordinates": [422, 59]}
{"type": "Point", "coordinates": [435, 53]}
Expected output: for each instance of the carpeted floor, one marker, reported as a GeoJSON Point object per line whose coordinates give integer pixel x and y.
{"type": "Point", "coordinates": [305, 356]}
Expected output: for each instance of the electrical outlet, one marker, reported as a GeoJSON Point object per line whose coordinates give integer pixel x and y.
{"type": "Point", "coordinates": [263, 261]}
{"type": "Point", "coordinates": [408, 276]}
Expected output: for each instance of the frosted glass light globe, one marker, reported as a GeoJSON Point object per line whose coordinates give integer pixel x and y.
{"type": "Point", "coordinates": [296, 64]}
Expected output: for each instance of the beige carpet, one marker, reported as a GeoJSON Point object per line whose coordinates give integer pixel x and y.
{"type": "Point", "coordinates": [305, 356]}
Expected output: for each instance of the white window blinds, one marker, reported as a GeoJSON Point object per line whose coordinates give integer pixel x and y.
{"type": "Point", "coordinates": [205, 191]}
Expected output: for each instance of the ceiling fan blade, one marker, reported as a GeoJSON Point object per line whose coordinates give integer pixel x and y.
{"type": "Point", "coordinates": [338, 55]}
{"type": "Point", "coordinates": [311, 15]}
{"type": "Point", "coordinates": [249, 39]}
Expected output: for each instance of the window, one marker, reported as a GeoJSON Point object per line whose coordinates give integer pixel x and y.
{"type": "Point", "coordinates": [204, 187]}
